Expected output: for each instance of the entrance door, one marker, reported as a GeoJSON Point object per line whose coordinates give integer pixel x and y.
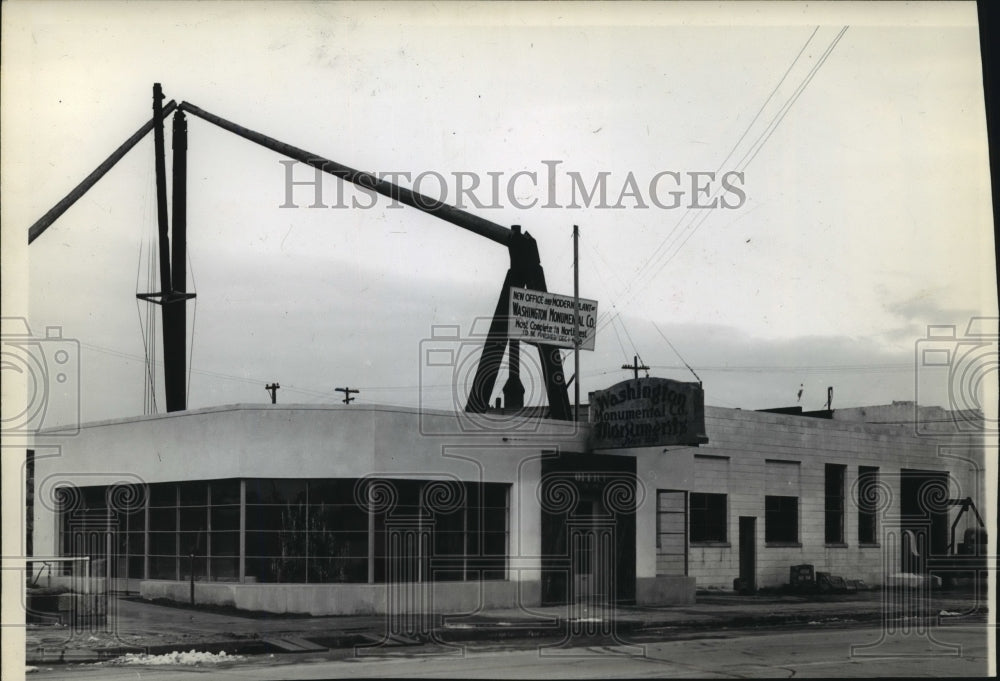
{"type": "Point", "coordinates": [592, 549]}
{"type": "Point", "coordinates": [588, 528]}
{"type": "Point", "coordinates": [748, 553]}
{"type": "Point", "coordinates": [923, 508]}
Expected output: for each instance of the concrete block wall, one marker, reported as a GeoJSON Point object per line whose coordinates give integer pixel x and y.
{"type": "Point", "coordinates": [745, 440]}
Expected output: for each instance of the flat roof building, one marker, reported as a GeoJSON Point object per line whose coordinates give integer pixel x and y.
{"type": "Point", "coordinates": [328, 509]}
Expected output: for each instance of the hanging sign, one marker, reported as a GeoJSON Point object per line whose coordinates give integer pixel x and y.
{"type": "Point", "coordinates": [648, 412]}
{"type": "Point", "coordinates": [540, 317]}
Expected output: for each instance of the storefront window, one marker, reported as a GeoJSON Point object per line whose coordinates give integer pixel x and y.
{"type": "Point", "coordinates": [297, 530]}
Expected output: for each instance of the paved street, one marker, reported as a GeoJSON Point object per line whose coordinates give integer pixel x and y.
{"type": "Point", "coordinates": [949, 650]}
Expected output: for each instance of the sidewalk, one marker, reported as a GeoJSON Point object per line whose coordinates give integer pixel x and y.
{"type": "Point", "coordinates": [139, 626]}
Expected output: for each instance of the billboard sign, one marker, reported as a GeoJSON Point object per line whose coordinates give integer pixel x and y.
{"type": "Point", "coordinates": [540, 317]}
{"type": "Point", "coordinates": [648, 412]}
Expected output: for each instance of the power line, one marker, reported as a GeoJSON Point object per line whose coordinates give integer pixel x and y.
{"type": "Point", "coordinates": [732, 150]}
{"type": "Point", "coordinates": [755, 148]}
{"type": "Point", "coordinates": [758, 144]}
{"type": "Point", "coordinates": [842, 368]}
{"type": "Point", "coordinates": [666, 245]}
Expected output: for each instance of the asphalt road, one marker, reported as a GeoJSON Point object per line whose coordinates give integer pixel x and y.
{"type": "Point", "coordinates": [953, 650]}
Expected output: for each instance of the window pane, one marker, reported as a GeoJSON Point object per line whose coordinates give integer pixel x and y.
{"type": "Point", "coordinates": [333, 492]}
{"type": "Point", "coordinates": [276, 569]}
{"type": "Point", "coordinates": [193, 519]}
{"type": "Point", "coordinates": [162, 568]}
{"type": "Point", "coordinates": [868, 500]}
{"type": "Point", "coordinates": [336, 517]}
{"type": "Point", "coordinates": [448, 575]}
{"type": "Point", "coordinates": [342, 544]}
{"type": "Point", "coordinates": [781, 518]}
{"type": "Point", "coordinates": [225, 569]}
{"type": "Point", "coordinates": [93, 497]}
{"type": "Point", "coordinates": [495, 520]}
{"type": "Point", "coordinates": [163, 543]}
{"type": "Point", "coordinates": [263, 544]}
{"type": "Point", "coordinates": [133, 520]}
{"type": "Point", "coordinates": [226, 518]}
{"type": "Point", "coordinates": [449, 543]}
{"type": "Point", "coordinates": [834, 503]}
{"type": "Point", "coordinates": [326, 570]}
{"type": "Point", "coordinates": [193, 493]}
{"type": "Point", "coordinates": [225, 543]}
{"type": "Point", "coordinates": [225, 492]}
{"type": "Point", "coordinates": [495, 495]}
{"type": "Point", "coordinates": [194, 542]}
{"type": "Point", "coordinates": [708, 520]}
{"type": "Point", "coordinates": [199, 564]}
{"type": "Point", "coordinates": [273, 491]}
{"type": "Point", "coordinates": [136, 543]}
{"type": "Point", "coordinates": [495, 544]}
{"type": "Point", "coordinates": [163, 494]}
{"type": "Point", "coordinates": [162, 519]}
{"type": "Point", "coordinates": [407, 493]}
{"type": "Point", "coordinates": [135, 567]}
{"type": "Point", "coordinates": [264, 517]}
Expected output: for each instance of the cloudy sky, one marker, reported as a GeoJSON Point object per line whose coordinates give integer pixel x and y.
{"type": "Point", "coordinates": [861, 214]}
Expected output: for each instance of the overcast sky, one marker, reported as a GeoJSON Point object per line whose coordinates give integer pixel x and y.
{"type": "Point", "coordinates": [862, 214]}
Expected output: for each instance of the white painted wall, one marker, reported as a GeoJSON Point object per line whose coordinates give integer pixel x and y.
{"type": "Point", "coordinates": [353, 441]}
{"type": "Point", "coordinates": [296, 441]}
{"type": "Point", "coordinates": [749, 438]}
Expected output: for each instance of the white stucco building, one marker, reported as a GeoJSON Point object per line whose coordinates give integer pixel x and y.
{"type": "Point", "coordinates": [328, 509]}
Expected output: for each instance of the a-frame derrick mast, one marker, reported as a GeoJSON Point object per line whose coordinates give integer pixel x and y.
{"type": "Point", "coordinates": [525, 267]}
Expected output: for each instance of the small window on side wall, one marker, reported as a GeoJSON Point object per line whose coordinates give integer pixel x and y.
{"type": "Point", "coordinates": [833, 503]}
{"type": "Point", "coordinates": [868, 503]}
{"type": "Point", "coordinates": [781, 520]}
{"type": "Point", "coordinates": [707, 515]}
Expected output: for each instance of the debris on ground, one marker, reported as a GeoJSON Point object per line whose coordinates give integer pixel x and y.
{"type": "Point", "coordinates": [192, 657]}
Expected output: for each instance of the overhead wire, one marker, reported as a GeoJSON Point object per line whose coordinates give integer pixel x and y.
{"type": "Point", "coordinates": [732, 149]}
{"type": "Point", "coordinates": [755, 147]}
{"type": "Point", "coordinates": [700, 215]}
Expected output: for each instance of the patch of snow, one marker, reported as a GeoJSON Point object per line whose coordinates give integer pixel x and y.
{"type": "Point", "coordinates": [588, 619]}
{"type": "Point", "coordinates": [28, 669]}
{"type": "Point", "coordinates": [192, 657]}
{"type": "Point", "coordinates": [949, 613]}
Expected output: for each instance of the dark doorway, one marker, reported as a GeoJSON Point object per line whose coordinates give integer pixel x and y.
{"type": "Point", "coordinates": [748, 554]}
{"type": "Point", "coordinates": [588, 528]}
{"type": "Point", "coordinates": [923, 509]}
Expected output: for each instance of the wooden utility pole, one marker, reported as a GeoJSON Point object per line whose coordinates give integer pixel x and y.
{"type": "Point", "coordinates": [634, 366]}
{"type": "Point", "coordinates": [273, 389]}
{"type": "Point", "coordinates": [576, 323]}
{"type": "Point", "coordinates": [347, 394]}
